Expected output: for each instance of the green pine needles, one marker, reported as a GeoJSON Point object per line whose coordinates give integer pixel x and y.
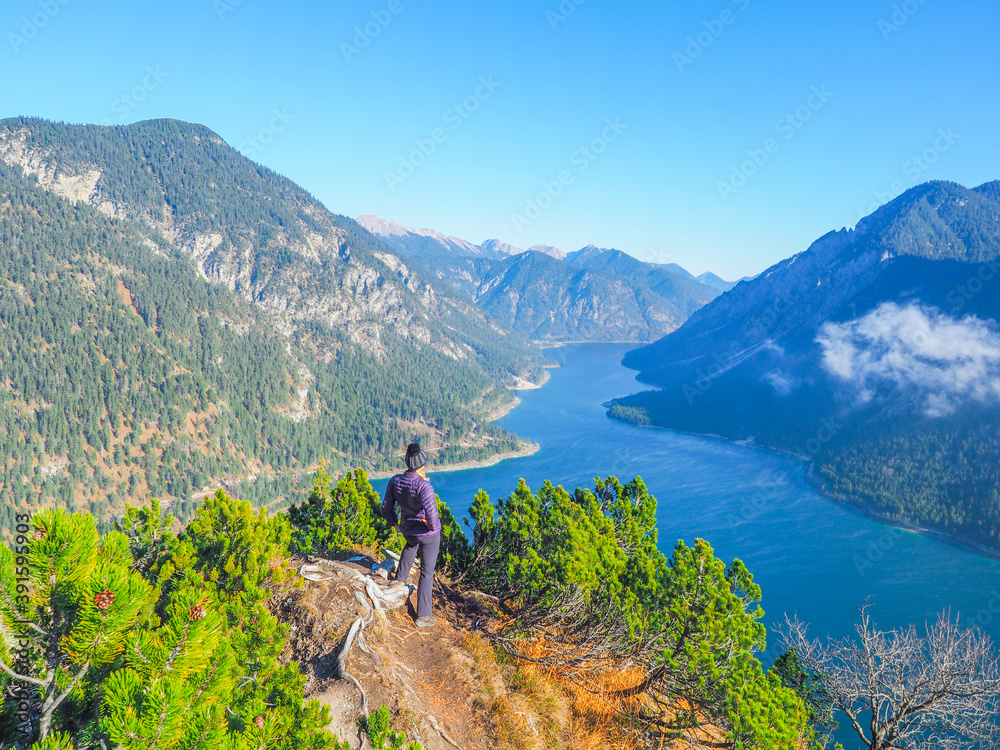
{"type": "Point", "coordinates": [145, 640]}
{"type": "Point", "coordinates": [377, 727]}
{"type": "Point", "coordinates": [580, 580]}
{"type": "Point", "coordinates": [345, 516]}
{"type": "Point", "coordinates": [341, 516]}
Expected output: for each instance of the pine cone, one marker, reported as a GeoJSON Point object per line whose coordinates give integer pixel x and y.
{"type": "Point", "coordinates": [39, 535]}
{"type": "Point", "coordinates": [259, 721]}
{"type": "Point", "coordinates": [197, 613]}
{"type": "Point", "coordinates": [103, 600]}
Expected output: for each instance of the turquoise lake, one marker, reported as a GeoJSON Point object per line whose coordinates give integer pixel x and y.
{"type": "Point", "coordinates": [811, 556]}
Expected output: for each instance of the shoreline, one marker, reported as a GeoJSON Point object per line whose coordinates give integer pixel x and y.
{"type": "Point", "coordinates": [503, 411]}
{"type": "Point", "coordinates": [521, 384]}
{"type": "Point", "coordinates": [851, 505]}
{"type": "Point", "coordinates": [485, 463]}
{"type": "Point", "coordinates": [529, 449]}
{"type": "Point", "coordinates": [872, 515]}
{"type": "Point", "coordinates": [560, 344]}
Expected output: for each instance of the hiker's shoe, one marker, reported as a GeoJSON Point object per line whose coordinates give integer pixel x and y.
{"type": "Point", "coordinates": [426, 622]}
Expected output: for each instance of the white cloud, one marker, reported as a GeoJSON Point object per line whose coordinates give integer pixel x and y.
{"type": "Point", "coordinates": [950, 361]}
{"type": "Point", "coordinates": [782, 383]}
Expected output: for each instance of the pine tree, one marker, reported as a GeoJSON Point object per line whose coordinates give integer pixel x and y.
{"type": "Point", "coordinates": [381, 735]}
{"type": "Point", "coordinates": [149, 641]}
{"type": "Point", "coordinates": [344, 516]}
{"type": "Point", "coordinates": [82, 601]}
{"type": "Point", "coordinates": [580, 578]}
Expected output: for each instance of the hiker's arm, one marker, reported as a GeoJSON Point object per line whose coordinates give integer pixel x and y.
{"type": "Point", "coordinates": [429, 502]}
{"type": "Point", "coordinates": [389, 503]}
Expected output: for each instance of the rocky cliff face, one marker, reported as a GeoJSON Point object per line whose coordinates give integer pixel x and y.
{"type": "Point", "coordinates": [257, 234]}
{"type": "Point", "coordinates": [177, 317]}
{"type": "Point", "coordinates": [551, 301]}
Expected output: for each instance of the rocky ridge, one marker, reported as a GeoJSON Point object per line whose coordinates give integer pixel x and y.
{"type": "Point", "coordinates": [309, 267]}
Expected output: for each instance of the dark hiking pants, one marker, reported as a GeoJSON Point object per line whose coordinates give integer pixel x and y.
{"type": "Point", "coordinates": [429, 548]}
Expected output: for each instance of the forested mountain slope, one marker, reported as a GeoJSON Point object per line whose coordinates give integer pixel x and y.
{"type": "Point", "coordinates": [875, 353]}
{"type": "Point", "coordinates": [173, 315]}
{"type": "Point", "coordinates": [549, 300]}
{"type": "Point", "coordinates": [684, 292]}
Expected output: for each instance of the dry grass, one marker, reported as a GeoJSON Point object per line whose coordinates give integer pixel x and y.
{"type": "Point", "coordinates": [534, 708]}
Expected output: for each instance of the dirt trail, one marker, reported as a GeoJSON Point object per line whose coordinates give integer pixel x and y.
{"type": "Point", "coordinates": [424, 676]}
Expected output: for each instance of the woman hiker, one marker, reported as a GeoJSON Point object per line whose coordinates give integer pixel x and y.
{"type": "Point", "coordinates": [419, 525]}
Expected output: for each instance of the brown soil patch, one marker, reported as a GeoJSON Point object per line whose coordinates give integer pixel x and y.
{"type": "Point", "coordinates": [425, 676]}
{"type": "Point", "coordinates": [126, 296]}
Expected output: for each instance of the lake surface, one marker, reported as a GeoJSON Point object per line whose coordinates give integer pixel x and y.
{"type": "Point", "coordinates": [810, 556]}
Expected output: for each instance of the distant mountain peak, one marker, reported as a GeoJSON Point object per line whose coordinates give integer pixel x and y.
{"type": "Point", "coordinates": [413, 236]}
{"type": "Point", "coordinates": [549, 250]}
{"type": "Point", "coordinates": [716, 282]}
{"type": "Point", "coordinates": [378, 225]}
{"type": "Point", "coordinates": [843, 272]}
{"type": "Point", "coordinates": [594, 293]}
{"type": "Point", "coordinates": [592, 251]}
{"type": "Point", "coordinates": [499, 247]}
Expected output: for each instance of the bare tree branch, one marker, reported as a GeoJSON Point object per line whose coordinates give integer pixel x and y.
{"type": "Point", "coordinates": [21, 677]}
{"type": "Point", "coordinates": [940, 690]}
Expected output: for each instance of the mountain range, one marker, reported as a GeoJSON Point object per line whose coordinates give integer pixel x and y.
{"type": "Point", "coordinates": [592, 294]}
{"type": "Point", "coordinates": [875, 354]}
{"type": "Point", "coordinates": [173, 315]}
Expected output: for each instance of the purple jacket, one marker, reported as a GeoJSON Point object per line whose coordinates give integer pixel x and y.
{"type": "Point", "coordinates": [417, 505]}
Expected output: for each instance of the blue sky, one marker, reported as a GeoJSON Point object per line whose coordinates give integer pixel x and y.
{"type": "Point", "coordinates": [723, 135]}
